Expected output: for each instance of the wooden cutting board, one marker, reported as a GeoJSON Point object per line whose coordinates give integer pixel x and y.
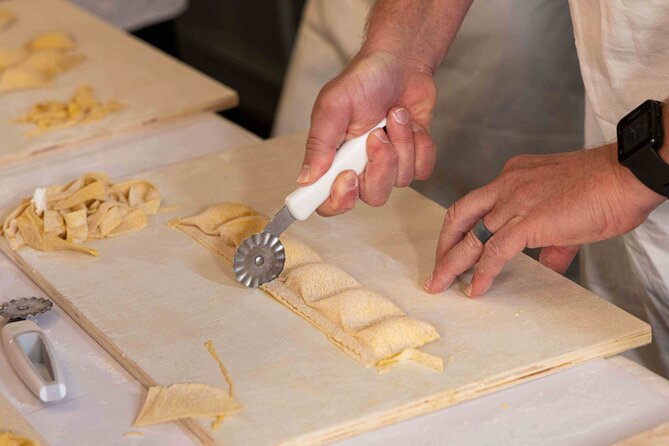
{"type": "Point", "coordinates": [152, 85]}
{"type": "Point", "coordinates": [154, 297]}
{"type": "Point", "coordinates": [11, 420]}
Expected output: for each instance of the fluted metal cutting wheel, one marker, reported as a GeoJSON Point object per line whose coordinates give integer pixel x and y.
{"type": "Point", "coordinates": [259, 259]}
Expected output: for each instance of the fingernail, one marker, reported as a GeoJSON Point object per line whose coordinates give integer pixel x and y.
{"type": "Point", "coordinates": [427, 283]}
{"type": "Point", "coordinates": [381, 136]}
{"type": "Point", "coordinates": [415, 127]}
{"type": "Point", "coordinates": [303, 177]}
{"type": "Point", "coordinates": [351, 181]}
{"type": "Point", "coordinates": [468, 290]}
{"type": "Point", "coordinates": [401, 116]}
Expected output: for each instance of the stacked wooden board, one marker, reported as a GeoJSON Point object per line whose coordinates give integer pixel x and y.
{"type": "Point", "coordinates": [11, 420]}
{"type": "Point", "coordinates": [152, 86]}
{"type": "Point", "coordinates": [154, 297]}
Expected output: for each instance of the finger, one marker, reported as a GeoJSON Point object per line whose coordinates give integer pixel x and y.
{"type": "Point", "coordinates": [425, 152]}
{"type": "Point", "coordinates": [343, 195]}
{"type": "Point", "coordinates": [381, 170]}
{"type": "Point", "coordinates": [454, 262]}
{"type": "Point", "coordinates": [399, 130]}
{"type": "Point", "coordinates": [462, 215]}
{"type": "Point", "coordinates": [330, 119]}
{"type": "Point", "coordinates": [558, 258]}
{"type": "Point", "coordinates": [507, 242]}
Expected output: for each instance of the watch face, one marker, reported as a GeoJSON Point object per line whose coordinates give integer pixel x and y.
{"type": "Point", "coordinates": [636, 132]}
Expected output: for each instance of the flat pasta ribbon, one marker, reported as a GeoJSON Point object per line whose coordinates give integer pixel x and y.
{"type": "Point", "coordinates": [88, 208]}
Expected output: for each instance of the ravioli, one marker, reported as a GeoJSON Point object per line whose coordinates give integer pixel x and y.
{"type": "Point", "coordinates": [363, 323]}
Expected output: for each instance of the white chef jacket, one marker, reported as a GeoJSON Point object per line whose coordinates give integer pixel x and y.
{"type": "Point", "coordinates": [623, 49]}
{"type": "Point", "coordinates": [132, 15]}
{"type": "Point", "coordinates": [510, 84]}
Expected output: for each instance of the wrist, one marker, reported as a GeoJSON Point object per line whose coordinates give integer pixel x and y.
{"type": "Point", "coordinates": [630, 186]}
{"type": "Point", "coordinates": [418, 32]}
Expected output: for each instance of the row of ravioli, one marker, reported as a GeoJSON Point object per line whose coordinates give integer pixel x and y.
{"type": "Point", "coordinates": [373, 320]}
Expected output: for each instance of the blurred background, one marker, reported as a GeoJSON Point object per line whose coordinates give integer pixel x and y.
{"type": "Point", "coordinates": [510, 83]}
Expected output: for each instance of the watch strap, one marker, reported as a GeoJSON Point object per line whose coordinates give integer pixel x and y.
{"type": "Point", "coordinates": [649, 167]}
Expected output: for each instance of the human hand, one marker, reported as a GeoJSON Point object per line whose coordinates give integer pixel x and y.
{"type": "Point", "coordinates": [374, 85]}
{"type": "Point", "coordinates": [554, 202]}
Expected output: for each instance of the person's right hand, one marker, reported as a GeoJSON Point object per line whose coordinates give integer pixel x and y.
{"type": "Point", "coordinates": [371, 87]}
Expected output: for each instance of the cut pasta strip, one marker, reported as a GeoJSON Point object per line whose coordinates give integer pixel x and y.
{"type": "Point", "coordinates": [364, 324]}
{"type": "Point", "coordinates": [89, 208]}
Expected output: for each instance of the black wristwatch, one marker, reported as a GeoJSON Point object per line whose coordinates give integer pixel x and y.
{"type": "Point", "coordinates": [640, 137]}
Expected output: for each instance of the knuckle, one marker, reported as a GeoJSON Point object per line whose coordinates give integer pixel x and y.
{"type": "Point", "coordinates": [404, 141]}
{"type": "Point", "coordinates": [494, 248]}
{"type": "Point", "coordinates": [316, 145]}
{"type": "Point", "coordinates": [472, 242]}
{"type": "Point", "coordinates": [514, 162]}
{"type": "Point", "coordinates": [451, 216]}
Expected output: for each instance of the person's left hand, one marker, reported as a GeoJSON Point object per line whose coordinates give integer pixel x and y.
{"type": "Point", "coordinates": [554, 202]}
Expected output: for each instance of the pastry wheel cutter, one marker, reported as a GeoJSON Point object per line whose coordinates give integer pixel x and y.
{"type": "Point", "coordinates": [260, 258]}
{"type": "Point", "coordinates": [28, 349]}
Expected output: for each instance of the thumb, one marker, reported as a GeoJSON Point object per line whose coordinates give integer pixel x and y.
{"type": "Point", "coordinates": [558, 258]}
{"type": "Point", "coordinates": [330, 118]}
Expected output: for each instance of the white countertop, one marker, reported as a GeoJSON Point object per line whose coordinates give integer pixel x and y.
{"type": "Point", "coordinates": [595, 403]}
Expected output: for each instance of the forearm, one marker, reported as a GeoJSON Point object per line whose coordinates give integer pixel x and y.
{"type": "Point", "coordinates": [416, 30]}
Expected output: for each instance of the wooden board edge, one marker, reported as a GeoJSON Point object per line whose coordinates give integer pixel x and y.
{"type": "Point", "coordinates": [212, 106]}
{"type": "Point", "coordinates": [657, 436]}
{"type": "Point", "coordinates": [191, 427]}
{"type": "Point", "coordinates": [446, 399]}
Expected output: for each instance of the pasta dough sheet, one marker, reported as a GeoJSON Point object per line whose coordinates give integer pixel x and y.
{"type": "Point", "coordinates": [364, 324]}
{"type": "Point", "coordinates": [90, 207]}
{"type": "Point", "coordinates": [185, 400]}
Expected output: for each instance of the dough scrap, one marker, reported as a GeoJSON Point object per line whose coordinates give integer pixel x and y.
{"type": "Point", "coordinates": [88, 208]}
{"type": "Point", "coordinates": [184, 400]}
{"type": "Point", "coordinates": [52, 41]}
{"type": "Point", "coordinates": [364, 324]}
{"type": "Point", "coordinates": [51, 62]}
{"type": "Point", "coordinates": [17, 78]}
{"type": "Point", "coordinates": [7, 18]}
{"type": "Point", "coordinates": [38, 62]}
{"type": "Point", "coordinates": [81, 108]}
{"type": "Point", "coordinates": [10, 439]}
{"type": "Point", "coordinates": [11, 56]}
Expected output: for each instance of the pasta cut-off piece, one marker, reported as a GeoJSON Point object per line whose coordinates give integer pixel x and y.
{"type": "Point", "coordinates": [364, 324]}
{"type": "Point", "coordinates": [184, 400]}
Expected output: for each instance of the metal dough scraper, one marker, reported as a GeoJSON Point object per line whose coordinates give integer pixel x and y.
{"type": "Point", "coordinates": [260, 258]}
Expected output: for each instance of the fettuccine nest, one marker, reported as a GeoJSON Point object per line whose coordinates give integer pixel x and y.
{"type": "Point", "coordinates": [88, 208]}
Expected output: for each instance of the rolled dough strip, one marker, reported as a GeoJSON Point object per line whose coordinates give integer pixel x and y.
{"type": "Point", "coordinates": [364, 324]}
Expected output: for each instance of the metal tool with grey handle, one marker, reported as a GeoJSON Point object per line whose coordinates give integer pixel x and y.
{"type": "Point", "coordinates": [28, 349]}
{"type": "Point", "coordinates": [260, 258]}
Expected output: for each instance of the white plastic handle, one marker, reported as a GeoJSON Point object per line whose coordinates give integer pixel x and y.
{"type": "Point", "coordinates": [31, 355]}
{"type": "Point", "coordinates": [352, 155]}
